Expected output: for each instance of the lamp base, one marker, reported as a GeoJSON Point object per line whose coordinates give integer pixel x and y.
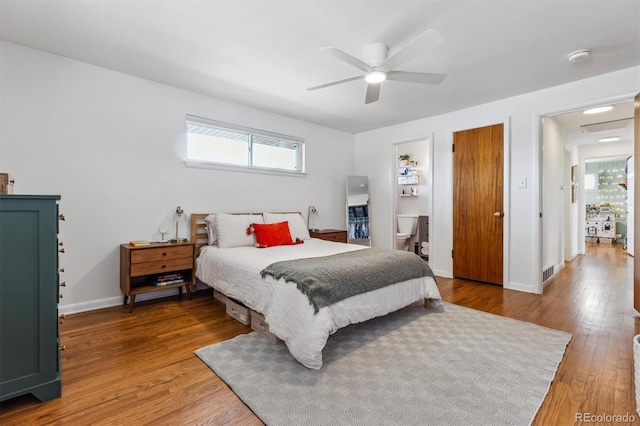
{"type": "Point", "coordinates": [178, 240]}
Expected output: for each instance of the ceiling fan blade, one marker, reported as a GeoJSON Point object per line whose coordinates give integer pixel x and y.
{"type": "Point", "coordinates": [333, 83]}
{"type": "Point", "coordinates": [418, 46]}
{"type": "Point", "coordinates": [416, 77]}
{"type": "Point", "coordinates": [373, 93]}
{"type": "Point", "coordinates": [345, 57]}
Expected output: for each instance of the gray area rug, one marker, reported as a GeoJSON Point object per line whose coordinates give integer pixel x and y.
{"type": "Point", "coordinates": [447, 366]}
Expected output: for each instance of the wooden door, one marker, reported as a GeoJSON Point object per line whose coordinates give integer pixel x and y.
{"type": "Point", "coordinates": [478, 209]}
{"type": "Point", "coordinates": [636, 197]}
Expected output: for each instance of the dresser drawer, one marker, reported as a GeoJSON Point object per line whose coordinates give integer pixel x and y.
{"type": "Point", "coordinates": [161, 266]}
{"type": "Point", "coordinates": [161, 253]}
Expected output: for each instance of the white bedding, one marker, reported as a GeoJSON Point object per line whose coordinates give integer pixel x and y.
{"type": "Point", "coordinates": [236, 273]}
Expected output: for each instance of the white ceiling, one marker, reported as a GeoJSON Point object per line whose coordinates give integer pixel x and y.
{"type": "Point", "coordinates": [264, 53]}
{"type": "Point", "coordinates": [571, 123]}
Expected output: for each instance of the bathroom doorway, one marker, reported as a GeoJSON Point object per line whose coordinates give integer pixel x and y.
{"type": "Point", "coordinates": [412, 178]}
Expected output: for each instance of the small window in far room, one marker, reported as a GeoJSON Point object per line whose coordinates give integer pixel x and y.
{"type": "Point", "coordinates": [221, 145]}
{"type": "Point", "coordinates": [591, 182]}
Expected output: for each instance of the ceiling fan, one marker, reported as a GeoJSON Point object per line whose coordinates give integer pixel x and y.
{"type": "Point", "coordinates": [378, 67]}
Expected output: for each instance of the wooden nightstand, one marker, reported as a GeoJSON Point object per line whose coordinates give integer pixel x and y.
{"type": "Point", "coordinates": [336, 235]}
{"type": "Point", "coordinates": [140, 265]}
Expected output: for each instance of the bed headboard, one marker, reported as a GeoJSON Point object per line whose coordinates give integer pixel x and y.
{"type": "Point", "coordinates": [199, 231]}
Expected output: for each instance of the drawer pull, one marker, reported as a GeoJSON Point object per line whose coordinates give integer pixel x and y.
{"type": "Point", "coordinates": [164, 266]}
{"type": "Point", "coordinates": [61, 250]}
{"type": "Point", "coordinates": [60, 243]}
{"type": "Point", "coordinates": [63, 284]}
{"type": "Point", "coordinates": [164, 254]}
{"type": "Point", "coordinates": [61, 269]}
{"type": "Point", "coordinates": [61, 217]}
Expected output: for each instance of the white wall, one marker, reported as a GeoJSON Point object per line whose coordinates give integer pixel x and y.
{"type": "Point", "coordinates": [553, 194]}
{"type": "Point", "coordinates": [112, 146]}
{"type": "Point", "coordinates": [523, 114]}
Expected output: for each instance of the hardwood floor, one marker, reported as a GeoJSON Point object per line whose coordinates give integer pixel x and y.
{"type": "Point", "coordinates": [139, 368]}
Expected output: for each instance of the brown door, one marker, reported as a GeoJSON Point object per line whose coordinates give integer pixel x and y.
{"type": "Point", "coordinates": [636, 198]}
{"type": "Point", "coordinates": [478, 164]}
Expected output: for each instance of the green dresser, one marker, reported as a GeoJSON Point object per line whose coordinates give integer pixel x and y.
{"type": "Point", "coordinates": [29, 338]}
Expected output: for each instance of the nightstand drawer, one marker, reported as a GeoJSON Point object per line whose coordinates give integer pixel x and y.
{"type": "Point", "coordinates": [139, 269]}
{"type": "Point", "coordinates": [340, 237]}
{"type": "Point", "coordinates": [335, 235]}
{"type": "Point", "coordinates": [161, 253]}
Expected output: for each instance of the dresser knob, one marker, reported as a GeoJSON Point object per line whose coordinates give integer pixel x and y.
{"type": "Point", "coordinates": [61, 270]}
{"type": "Point", "coordinates": [61, 250]}
{"type": "Point", "coordinates": [62, 348]}
{"type": "Point", "coordinates": [63, 284]}
{"type": "Point", "coordinates": [61, 217]}
{"type": "Point", "coordinates": [60, 243]}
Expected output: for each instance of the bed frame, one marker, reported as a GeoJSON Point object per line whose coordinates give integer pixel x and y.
{"type": "Point", "coordinates": [199, 236]}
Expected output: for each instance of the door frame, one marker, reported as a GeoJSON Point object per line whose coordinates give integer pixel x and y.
{"type": "Point", "coordinates": [506, 199]}
{"type": "Point", "coordinates": [393, 176]}
{"type": "Point", "coordinates": [537, 137]}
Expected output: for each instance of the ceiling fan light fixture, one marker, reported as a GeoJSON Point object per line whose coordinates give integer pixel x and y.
{"type": "Point", "coordinates": [609, 139]}
{"type": "Point", "coordinates": [598, 110]}
{"type": "Point", "coordinates": [375, 77]}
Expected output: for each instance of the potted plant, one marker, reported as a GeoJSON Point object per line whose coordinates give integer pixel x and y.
{"type": "Point", "coordinates": [404, 160]}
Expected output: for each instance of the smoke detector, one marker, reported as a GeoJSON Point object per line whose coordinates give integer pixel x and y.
{"type": "Point", "coordinates": [579, 55]}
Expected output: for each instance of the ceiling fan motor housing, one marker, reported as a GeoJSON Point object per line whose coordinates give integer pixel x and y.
{"type": "Point", "coordinates": [375, 54]}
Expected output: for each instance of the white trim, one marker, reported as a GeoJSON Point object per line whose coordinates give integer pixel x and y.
{"type": "Point", "coordinates": [242, 169]}
{"type": "Point", "coordinates": [110, 302]}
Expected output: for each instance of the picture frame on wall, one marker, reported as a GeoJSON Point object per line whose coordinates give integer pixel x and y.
{"type": "Point", "coordinates": [574, 173]}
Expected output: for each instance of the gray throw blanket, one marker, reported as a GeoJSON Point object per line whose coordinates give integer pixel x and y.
{"type": "Point", "coordinates": [330, 279]}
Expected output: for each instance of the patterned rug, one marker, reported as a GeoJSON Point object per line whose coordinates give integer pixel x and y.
{"type": "Point", "coordinates": [446, 366]}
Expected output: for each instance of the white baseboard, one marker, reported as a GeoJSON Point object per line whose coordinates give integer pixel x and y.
{"type": "Point", "coordinates": [109, 302]}
{"type": "Point", "coordinates": [520, 287]}
{"type": "Point", "coordinates": [442, 273]}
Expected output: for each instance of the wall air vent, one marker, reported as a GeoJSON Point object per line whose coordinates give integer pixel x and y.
{"type": "Point", "coordinates": [547, 273]}
{"type": "Point", "coordinates": [606, 125]}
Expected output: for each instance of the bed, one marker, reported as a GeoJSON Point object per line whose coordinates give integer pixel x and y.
{"type": "Point", "coordinates": [231, 264]}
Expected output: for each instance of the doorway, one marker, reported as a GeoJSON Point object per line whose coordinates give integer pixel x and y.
{"type": "Point", "coordinates": [571, 143]}
{"type": "Point", "coordinates": [412, 176]}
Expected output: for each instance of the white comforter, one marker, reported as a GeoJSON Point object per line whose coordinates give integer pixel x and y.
{"type": "Point", "coordinates": [236, 273]}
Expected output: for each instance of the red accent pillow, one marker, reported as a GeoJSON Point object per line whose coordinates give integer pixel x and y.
{"type": "Point", "coordinates": [272, 234]}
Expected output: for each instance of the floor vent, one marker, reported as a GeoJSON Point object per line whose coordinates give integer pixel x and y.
{"type": "Point", "coordinates": [547, 273]}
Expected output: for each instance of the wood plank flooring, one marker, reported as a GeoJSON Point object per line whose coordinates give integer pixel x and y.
{"type": "Point", "coordinates": [139, 368]}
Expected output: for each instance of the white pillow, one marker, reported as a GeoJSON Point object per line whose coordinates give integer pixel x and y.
{"type": "Point", "coordinates": [211, 229]}
{"type": "Point", "coordinates": [232, 229]}
{"type": "Point", "coordinates": [297, 227]}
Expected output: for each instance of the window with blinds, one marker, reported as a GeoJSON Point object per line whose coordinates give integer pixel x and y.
{"type": "Point", "coordinates": [218, 143]}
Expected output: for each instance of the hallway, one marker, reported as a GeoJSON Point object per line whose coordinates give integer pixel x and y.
{"type": "Point", "coordinates": [592, 298]}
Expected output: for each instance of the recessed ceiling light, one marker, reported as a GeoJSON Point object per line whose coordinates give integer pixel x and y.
{"type": "Point", "coordinates": [598, 110]}
{"type": "Point", "coordinates": [375, 77]}
{"type": "Point", "coordinates": [609, 139]}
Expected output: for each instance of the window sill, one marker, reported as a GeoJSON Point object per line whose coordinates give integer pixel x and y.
{"type": "Point", "coordinates": [242, 169]}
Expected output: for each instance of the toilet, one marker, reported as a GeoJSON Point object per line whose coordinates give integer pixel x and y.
{"type": "Point", "coordinates": [407, 227]}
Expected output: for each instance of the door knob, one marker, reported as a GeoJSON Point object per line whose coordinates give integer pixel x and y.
{"type": "Point", "coordinates": [498, 214]}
